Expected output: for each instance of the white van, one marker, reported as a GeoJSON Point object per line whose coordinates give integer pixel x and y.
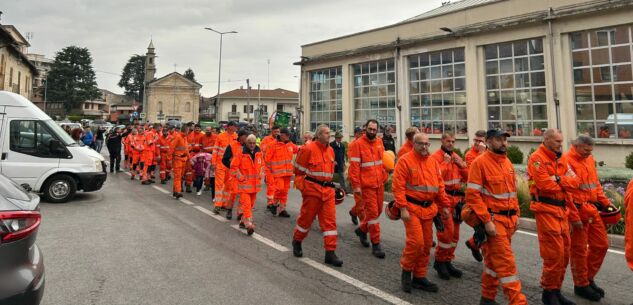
{"type": "Point", "coordinates": [37, 152]}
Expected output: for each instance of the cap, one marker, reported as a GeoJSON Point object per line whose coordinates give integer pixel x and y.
{"type": "Point", "coordinates": [338, 135]}
{"type": "Point", "coordinates": [243, 132]}
{"type": "Point", "coordinates": [491, 133]}
{"type": "Point", "coordinates": [358, 129]}
{"type": "Point", "coordinates": [284, 130]}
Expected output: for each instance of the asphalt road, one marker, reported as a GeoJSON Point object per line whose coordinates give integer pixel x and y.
{"type": "Point", "coordinates": [135, 244]}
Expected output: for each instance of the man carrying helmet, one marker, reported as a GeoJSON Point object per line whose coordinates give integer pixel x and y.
{"type": "Point", "coordinates": [476, 150]}
{"type": "Point", "coordinates": [418, 190]}
{"type": "Point", "coordinates": [589, 245]}
{"type": "Point", "coordinates": [368, 176]}
{"type": "Point", "coordinates": [314, 170]}
{"type": "Point", "coordinates": [278, 158]}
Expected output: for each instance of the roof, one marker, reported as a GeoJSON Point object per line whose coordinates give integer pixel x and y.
{"type": "Point", "coordinates": [450, 7]}
{"type": "Point", "coordinates": [265, 93]}
{"type": "Point", "coordinates": [177, 74]}
{"type": "Point", "coordinates": [12, 46]}
{"type": "Point", "coordinates": [17, 36]}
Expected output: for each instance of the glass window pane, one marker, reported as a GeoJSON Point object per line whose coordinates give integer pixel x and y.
{"type": "Point", "coordinates": [491, 51]}
{"type": "Point", "coordinates": [506, 66]}
{"type": "Point", "coordinates": [436, 100]}
{"type": "Point", "coordinates": [458, 55]}
{"type": "Point", "coordinates": [586, 128]}
{"type": "Point", "coordinates": [494, 113]}
{"type": "Point", "coordinates": [492, 82]}
{"type": "Point", "coordinates": [508, 113]}
{"type": "Point", "coordinates": [578, 40]}
{"type": "Point", "coordinates": [493, 98]}
{"type": "Point", "coordinates": [582, 76]}
{"type": "Point", "coordinates": [436, 72]}
{"type": "Point", "coordinates": [460, 70]}
{"type": "Point", "coordinates": [537, 63]}
{"type": "Point", "coordinates": [460, 84]}
{"type": "Point", "coordinates": [624, 92]}
{"type": "Point", "coordinates": [621, 54]}
{"type": "Point", "coordinates": [621, 34]}
{"type": "Point", "coordinates": [424, 87]}
{"type": "Point", "coordinates": [603, 111]}
{"type": "Point", "coordinates": [492, 67]}
{"type": "Point", "coordinates": [583, 94]}
{"type": "Point", "coordinates": [539, 112]}
{"type": "Point", "coordinates": [580, 58]}
{"type": "Point", "coordinates": [506, 81]}
{"type": "Point", "coordinates": [522, 80]}
{"type": "Point", "coordinates": [523, 96]}
{"type": "Point", "coordinates": [449, 99]}
{"type": "Point", "coordinates": [537, 79]}
{"type": "Point", "coordinates": [505, 50]}
{"type": "Point", "coordinates": [584, 112]}
{"type": "Point", "coordinates": [435, 58]}
{"type": "Point", "coordinates": [605, 131]}
{"type": "Point", "coordinates": [507, 97]}
{"type": "Point", "coordinates": [414, 61]}
{"type": "Point", "coordinates": [602, 93]}
{"type": "Point", "coordinates": [447, 57]}
{"type": "Point", "coordinates": [535, 46]}
{"type": "Point", "coordinates": [424, 60]}
{"type": "Point", "coordinates": [426, 100]}
{"type": "Point", "coordinates": [449, 114]}
{"type": "Point", "coordinates": [622, 73]}
{"type": "Point", "coordinates": [436, 86]}
{"type": "Point", "coordinates": [447, 85]}
{"type": "Point", "coordinates": [599, 56]}
{"type": "Point", "coordinates": [539, 96]}
{"type": "Point", "coordinates": [520, 48]}
{"type": "Point", "coordinates": [521, 64]}
{"type": "Point", "coordinates": [447, 71]}
{"type": "Point", "coordinates": [460, 98]}
{"type": "Point", "coordinates": [524, 112]}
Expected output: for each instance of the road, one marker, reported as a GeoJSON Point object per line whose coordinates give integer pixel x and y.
{"type": "Point", "coordinates": [135, 244]}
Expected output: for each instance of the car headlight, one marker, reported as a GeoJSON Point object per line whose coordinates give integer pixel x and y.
{"type": "Point", "coordinates": [98, 166]}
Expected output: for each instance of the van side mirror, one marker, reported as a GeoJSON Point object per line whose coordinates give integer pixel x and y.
{"type": "Point", "coordinates": [56, 148]}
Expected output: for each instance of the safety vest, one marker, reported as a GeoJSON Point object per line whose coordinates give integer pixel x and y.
{"type": "Point", "coordinates": [278, 158]}
{"type": "Point", "coordinates": [590, 189]}
{"type": "Point", "coordinates": [207, 143]}
{"type": "Point", "coordinates": [366, 169]}
{"type": "Point", "coordinates": [248, 172]}
{"type": "Point", "coordinates": [452, 174]}
{"type": "Point", "coordinates": [222, 141]}
{"type": "Point", "coordinates": [164, 144]}
{"type": "Point", "coordinates": [179, 146]}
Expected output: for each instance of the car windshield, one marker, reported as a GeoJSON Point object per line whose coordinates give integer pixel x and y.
{"type": "Point", "coordinates": [60, 133]}
{"type": "Point", "coordinates": [10, 189]}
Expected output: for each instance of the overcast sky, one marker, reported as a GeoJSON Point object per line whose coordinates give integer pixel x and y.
{"type": "Point", "coordinates": [114, 30]}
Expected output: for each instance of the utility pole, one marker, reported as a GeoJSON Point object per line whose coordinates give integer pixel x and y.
{"type": "Point", "coordinates": [248, 101]}
{"type": "Point", "coordinates": [259, 106]}
{"type": "Point", "coordinates": [268, 85]}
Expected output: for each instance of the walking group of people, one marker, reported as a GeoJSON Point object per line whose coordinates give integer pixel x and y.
{"type": "Point", "coordinates": [431, 189]}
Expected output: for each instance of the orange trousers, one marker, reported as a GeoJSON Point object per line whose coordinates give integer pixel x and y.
{"type": "Point", "coordinates": [179, 168]}
{"type": "Point", "coordinates": [189, 174]}
{"type": "Point", "coordinates": [247, 202]}
{"type": "Point", "coordinates": [417, 249]}
{"type": "Point", "coordinates": [499, 265]}
{"type": "Point", "coordinates": [282, 184]}
{"type": "Point", "coordinates": [588, 246]}
{"type": "Point", "coordinates": [357, 209]}
{"type": "Point", "coordinates": [147, 158]}
{"type": "Point", "coordinates": [447, 240]}
{"type": "Point", "coordinates": [165, 166]}
{"type": "Point", "coordinates": [372, 208]}
{"type": "Point", "coordinates": [270, 188]}
{"type": "Point", "coordinates": [312, 207]}
{"type": "Point", "coordinates": [220, 173]}
{"type": "Point", "coordinates": [554, 246]}
{"type": "Point", "coordinates": [136, 163]}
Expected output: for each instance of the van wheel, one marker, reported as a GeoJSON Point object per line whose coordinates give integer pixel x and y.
{"type": "Point", "coordinates": [60, 188]}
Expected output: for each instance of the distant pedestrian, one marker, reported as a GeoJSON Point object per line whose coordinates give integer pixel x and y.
{"type": "Point", "coordinates": [388, 141]}
{"type": "Point", "coordinates": [339, 157]}
{"type": "Point", "coordinates": [76, 134]}
{"type": "Point", "coordinates": [99, 139]}
{"type": "Point", "coordinates": [113, 143]}
{"type": "Point", "coordinates": [88, 138]}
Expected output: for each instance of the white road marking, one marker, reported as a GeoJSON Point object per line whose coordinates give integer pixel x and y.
{"type": "Point", "coordinates": [185, 201]}
{"type": "Point", "coordinates": [354, 282]}
{"type": "Point", "coordinates": [217, 217]}
{"type": "Point", "coordinates": [128, 173]}
{"type": "Point", "coordinates": [160, 189]}
{"type": "Point", "coordinates": [264, 240]}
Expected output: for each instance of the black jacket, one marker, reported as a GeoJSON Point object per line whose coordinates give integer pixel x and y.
{"type": "Point", "coordinates": [339, 155]}
{"type": "Point", "coordinates": [114, 143]}
{"type": "Point", "coordinates": [389, 143]}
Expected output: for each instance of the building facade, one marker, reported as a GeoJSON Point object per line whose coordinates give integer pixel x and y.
{"type": "Point", "coordinates": [16, 71]}
{"type": "Point", "coordinates": [242, 105]}
{"type": "Point", "coordinates": [523, 66]}
{"type": "Point", "coordinates": [43, 66]}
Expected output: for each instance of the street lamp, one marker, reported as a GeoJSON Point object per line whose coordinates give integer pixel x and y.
{"type": "Point", "coordinates": [217, 97]}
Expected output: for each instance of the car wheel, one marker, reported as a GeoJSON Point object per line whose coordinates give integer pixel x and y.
{"type": "Point", "coordinates": [60, 188]}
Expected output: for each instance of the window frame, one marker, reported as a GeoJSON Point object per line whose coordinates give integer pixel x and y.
{"type": "Point", "coordinates": [38, 124]}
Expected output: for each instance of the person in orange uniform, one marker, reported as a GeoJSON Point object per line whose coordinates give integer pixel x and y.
{"type": "Point", "coordinates": [148, 155]}
{"type": "Point", "coordinates": [628, 222]}
{"type": "Point", "coordinates": [314, 170]}
{"type": "Point", "coordinates": [454, 172]}
{"type": "Point", "coordinates": [408, 145]}
{"type": "Point", "coordinates": [278, 159]}
{"type": "Point", "coordinates": [418, 189]}
{"type": "Point", "coordinates": [550, 179]}
{"type": "Point", "coordinates": [476, 150]}
{"type": "Point", "coordinates": [589, 245]}
{"type": "Point", "coordinates": [491, 194]}
{"type": "Point", "coordinates": [207, 144]}
{"type": "Point", "coordinates": [234, 150]}
{"type": "Point", "coordinates": [356, 212]}
{"type": "Point", "coordinates": [247, 168]}
{"type": "Point", "coordinates": [193, 140]}
{"type": "Point", "coordinates": [165, 154]}
{"type": "Point", "coordinates": [222, 142]}
{"type": "Point", "coordinates": [270, 182]}
{"type": "Point", "coordinates": [180, 150]}
{"type": "Point", "coordinates": [368, 176]}
{"type": "Point", "coordinates": [127, 150]}
{"type": "Point", "coordinates": [138, 141]}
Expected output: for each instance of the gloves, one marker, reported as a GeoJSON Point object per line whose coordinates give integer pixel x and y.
{"type": "Point", "coordinates": [457, 213]}
{"type": "Point", "coordinates": [480, 235]}
{"type": "Point", "coordinates": [439, 224]}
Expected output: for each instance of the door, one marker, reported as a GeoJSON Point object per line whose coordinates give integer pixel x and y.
{"type": "Point", "coordinates": [26, 151]}
{"type": "Point", "coordinates": [2, 137]}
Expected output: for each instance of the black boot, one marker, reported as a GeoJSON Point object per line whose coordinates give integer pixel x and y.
{"type": "Point", "coordinates": [376, 250]}
{"type": "Point", "coordinates": [597, 289]}
{"type": "Point", "coordinates": [332, 259]}
{"type": "Point", "coordinates": [163, 182]}
{"type": "Point", "coordinates": [406, 281]}
{"type": "Point", "coordinates": [563, 300]}
{"type": "Point", "coordinates": [188, 189]}
{"type": "Point", "coordinates": [354, 218]}
{"type": "Point", "coordinates": [284, 214]}
{"type": "Point", "coordinates": [229, 214]}
{"type": "Point", "coordinates": [454, 272]}
{"type": "Point", "coordinates": [272, 208]}
{"type": "Point", "coordinates": [485, 301]}
{"type": "Point", "coordinates": [296, 248]}
{"type": "Point", "coordinates": [442, 270]}
{"type": "Point", "coordinates": [216, 210]}
{"type": "Point", "coordinates": [424, 284]}
{"type": "Point", "coordinates": [475, 252]}
{"type": "Point", "coordinates": [178, 195]}
{"type": "Point", "coordinates": [549, 297]}
{"type": "Point", "coordinates": [363, 237]}
{"type": "Point", "coordinates": [586, 292]}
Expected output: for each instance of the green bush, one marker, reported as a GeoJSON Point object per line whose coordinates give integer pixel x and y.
{"type": "Point", "coordinates": [629, 161]}
{"type": "Point", "coordinates": [74, 118]}
{"type": "Point", "coordinates": [532, 150]}
{"type": "Point", "coordinates": [515, 155]}
{"type": "Point", "coordinates": [458, 152]}
{"type": "Point", "coordinates": [388, 184]}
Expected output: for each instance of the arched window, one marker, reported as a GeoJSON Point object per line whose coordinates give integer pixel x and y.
{"type": "Point", "coordinates": [188, 107]}
{"type": "Point", "coordinates": [160, 106]}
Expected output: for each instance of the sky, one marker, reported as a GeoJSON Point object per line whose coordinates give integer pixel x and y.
{"type": "Point", "coordinates": [114, 30]}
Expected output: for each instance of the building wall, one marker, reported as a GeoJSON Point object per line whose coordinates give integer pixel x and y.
{"type": "Point", "coordinates": [557, 57]}
{"type": "Point", "coordinates": [174, 103]}
{"type": "Point", "coordinates": [20, 81]}
{"type": "Point", "coordinates": [225, 106]}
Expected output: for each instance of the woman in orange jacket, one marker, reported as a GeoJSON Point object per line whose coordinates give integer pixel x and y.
{"type": "Point", "coordinates": [247, 169]}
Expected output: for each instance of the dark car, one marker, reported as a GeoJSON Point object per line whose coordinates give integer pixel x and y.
{"type": "Point", "coordinates": [21, 262]}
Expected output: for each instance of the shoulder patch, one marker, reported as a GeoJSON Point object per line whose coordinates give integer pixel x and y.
{"type": "Point", "coordinates": [536, 164]}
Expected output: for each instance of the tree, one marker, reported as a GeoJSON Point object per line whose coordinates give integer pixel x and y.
{"type": "Point", "coordinates": [190, 75]}
{"type": "Point", "coordinates": [133, 77]}
{"type": "Point", "coordinates": [71, 80]}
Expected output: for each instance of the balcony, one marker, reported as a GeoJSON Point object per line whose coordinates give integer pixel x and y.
{"type": "Point", "coordinates": [234, 115]}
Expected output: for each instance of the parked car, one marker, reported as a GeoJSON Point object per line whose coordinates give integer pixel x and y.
{"type": "Point", "coordinates": [22, 263]}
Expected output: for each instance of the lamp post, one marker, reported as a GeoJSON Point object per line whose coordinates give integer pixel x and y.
{"type": "Point", "coordinates": [217, 97]}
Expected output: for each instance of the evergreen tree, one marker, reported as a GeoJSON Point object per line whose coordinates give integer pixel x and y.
{"type": "Point", "coordinates": [133, 77]}
{"type": "Point", "coordinates": [71, 80]}
{"type": "Point", "coordinates": [190, 75]}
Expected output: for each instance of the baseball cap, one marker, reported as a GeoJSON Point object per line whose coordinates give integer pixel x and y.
{"type": "Point", "coordinates": [496, 132]}
{"type": "Point", "coordinates": [284, 130]}
{"type": "Point", "coordinates": [358, 129]}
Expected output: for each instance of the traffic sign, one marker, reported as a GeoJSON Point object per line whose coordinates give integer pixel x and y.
{"type": "Point", "coordinates": [142, 115]}
{"type": "Point", "coordinates": [135, 114]}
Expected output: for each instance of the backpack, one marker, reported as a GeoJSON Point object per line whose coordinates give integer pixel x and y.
{"type": "Point", "coordinates": [199, 167]}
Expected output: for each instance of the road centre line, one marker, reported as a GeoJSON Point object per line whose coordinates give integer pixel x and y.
{"type": "Point", "coordinates": [185, 201]}
{"type": "Point", "coordinates": [160, 189]}
{"type": "Point", "coordinates": [264, 240]}
{"type": "Point", "coordinates": [217, 217]}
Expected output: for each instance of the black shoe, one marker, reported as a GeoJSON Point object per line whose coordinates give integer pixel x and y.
{"type": "Point", "coordinates": [188, 189]}
{"type": "Point", "coordinates": [296, 248]}
{"type": "Point", "coordinates": [597, 289]}
{"type": "Point", "coordinates": [152, 181]}
{"type": "Point", "coordinates": [454, 272]}
{"type": "Point", "coordinates": [111, 171]}
{"type": "Point", "coordinates": [442, 270]}
{"type": "Point", "coordinates": [242, 226]}
{"type": "Point", "coordinates": [377, 251]}
{"type": "Point", "coordinates": [363, 237]}
{"type": "Point", "coordinates": [485, 301]}
{"type": "Point", "coordinates": [216, 210]}
{"type": "Point", "coordinates": [146, 182]}
{"type": "Point", "coordinates": [475, 252]}
{"type": "Point", "coordinates": [163, 182]}
{"type": "Point", "coordinates": [586, 292]}
{"type": "Point", "coordinates": [423, 283]}
{"type": "Point", "coordinates": [178, 195]}
{"type": "Point", "coordinates": [354, 218]}
{"type": "Point", "coordinates": [174, 194]}
{"type": "Point", "coordinates": [434, 244]}
{"type": "Point", "coordinates": [229, 214]}
{"type": "Point", "coordinates": [132, 178]}
{"type": "Point", "coordinates": [272, 208]}
{"type": "Point", "coordinates": [405, 281]}
{"type": "Point", "coordinates": [563, 300]}
{"type": "Point", "coordinates": [549, 297]}
{"type": "Point", "coordinates": [239, 217]}
{"type": "Point", "coordinates": [332, 259]}
{"type": "Point", "coordinates": [250, 230]}
{"type": "Point", "coordinates": [283, 214]}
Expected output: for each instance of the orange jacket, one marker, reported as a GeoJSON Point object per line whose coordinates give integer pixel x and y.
{"type": "Point", "coordinates": [542, 168]}
{"type": "Point", "coordinates": [248, 170]}
{"type": "Point", "coordinates": [164, 145]}
{"type": "Point", "coordinates": [317, 161]}
{"type": "Point", "coordinates": [278, 158]}
{"type": "Point", "coordinates": [491, 185]}
{"type": "Point", "coordinates": [221, 142]}
{"type": "Point", "coordinates": [150, 143]}
{"type": "Point", "coordinates": [179, 147]}
{"type": "Point", "coordinates": [419, 177]}
{"type": "Point", "coordinates": [590, 189]}
{"type": "Point", "coordinates": [193, 139]}
{"type": "Point", "coordinates": [138, 143]}
{"type": "Point", "coordinates": [127, 142]}
{"type": "Point", "coordinates": [471, 155]}
{"type": "Point", "coordinates": [628, 222]}
{"type": "Point", "coordinates": [451, 173]}
{"type": "Point", "coordinates": [405, 148]}
{"type": "Point", "coordinates": [365, 166]}
{"type": "Point", "coordinates": [269, 139]}
{"type": "Point", "coordinates": [207, 143]}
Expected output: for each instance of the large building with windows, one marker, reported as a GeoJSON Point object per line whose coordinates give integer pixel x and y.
{"type": "Point", "coordinates": [523, 66]}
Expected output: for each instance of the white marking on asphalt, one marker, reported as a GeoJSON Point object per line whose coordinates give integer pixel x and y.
{"type": "Point", "coordinates": [354, 282]}
{"type": "Point", "coordinates": [160, 189]}
{"type": "Point", "coordinates": [217, 217]}
{"type": "Point", "coordinates": [185, 201]}
{"type": "Point", "coordinates": [264, 240]}
{"type": "Point", "coordinates": [128, 173]}
{"type": "Point", "coordinates": [616, 251]}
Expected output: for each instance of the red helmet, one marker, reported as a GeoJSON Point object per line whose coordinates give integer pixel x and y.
{"type": "Point", "coordinates": [392, 211]}
{"type": "Point", "coordinates": [610, 215]}
{"type": "Point", "coordinates": [339, 195]}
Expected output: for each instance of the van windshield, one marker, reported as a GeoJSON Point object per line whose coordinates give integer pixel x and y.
{"type": "Point", "coordinates": [60, 133]}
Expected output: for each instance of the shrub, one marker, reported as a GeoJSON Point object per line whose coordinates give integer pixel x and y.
{"type": "Point", "coordinates": [523, 195]}
{"type": "Point", "coordinates": [74, 118]}
{"type": "Point", "coordinates": [629, 161]}
{"type": "Point", "coordinates": [532, 150]}
{"type": "Point", "coordinates": [388, 184]}
{"type": "Point", "coordinates": [515, 155]}
{"type": "Point", "coordinates": [458, 152]}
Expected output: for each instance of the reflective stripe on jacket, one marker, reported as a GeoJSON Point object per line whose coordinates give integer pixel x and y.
{"type": "Point", "coordinates": [365, 163]}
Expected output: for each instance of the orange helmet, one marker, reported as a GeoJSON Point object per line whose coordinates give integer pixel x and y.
{"type": "Point", "coordinates": [339, 195]}
{"type": "Point", "coordinates": [388, 159]}
{"type": "Point", "coordinates": [610, 215]}
{"type": "Point", "coordinates": [392, 211]}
